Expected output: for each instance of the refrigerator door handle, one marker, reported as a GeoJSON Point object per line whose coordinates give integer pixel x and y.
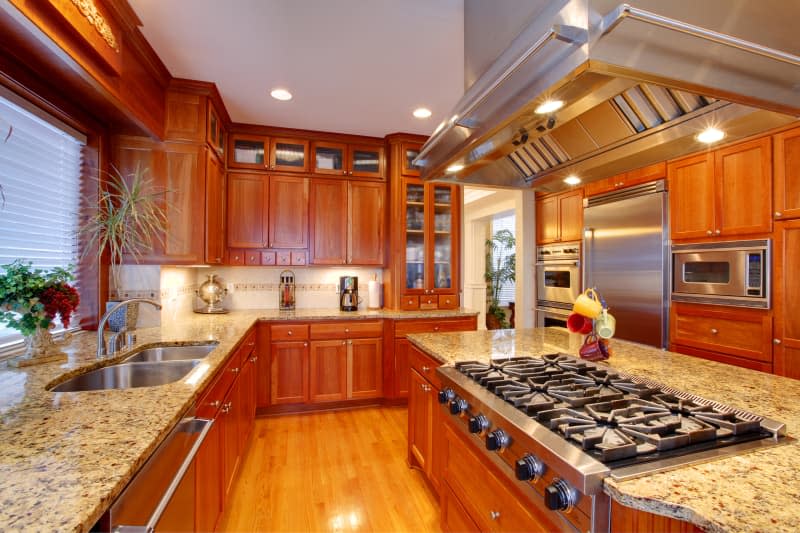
{"type": "Point", "coordinates": [588, 234]}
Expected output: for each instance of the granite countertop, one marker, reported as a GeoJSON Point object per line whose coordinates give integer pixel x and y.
{"type": "Point", "coordinates": [755, 491]}
{"type": "Point", "coordinates": [65, 457]}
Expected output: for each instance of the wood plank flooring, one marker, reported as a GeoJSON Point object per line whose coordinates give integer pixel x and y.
{"type": "Point", "coordinates": [332, 471]}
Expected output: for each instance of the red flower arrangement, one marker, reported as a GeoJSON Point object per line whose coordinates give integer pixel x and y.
{"type": "Point", "coordinates": [61, 299]}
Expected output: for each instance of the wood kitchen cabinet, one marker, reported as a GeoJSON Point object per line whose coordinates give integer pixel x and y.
{"type": "Point", "coordinates": [347, 221]}
{"type": "Point", "coordinates": [409, 152]}
{"type": "Point", "coordinates": [736, 336]}
{"type": "Point", "coordinates": [215, 210]}
{"type": "Point", "coordinates": [559, 217]}
{"type": "Point", "coordinates": [259, 152]}
{"type": "Point", "coordinates": [288, 212]}
{"type": "Point", "coordinates": [248, 210]}
{"type": "Point", "coordinates": [341, 159]}
{"type": "Point", "coordinates": [289, 362]}
{"type": "Point", "coordinates": [626, 179]}
{"type": "Point", "coordinates": [786, 182]}
{"type": "Point", "coordinates": [721, 194]}
{"type": "Point", "coordinates": [786, 291]}
{"type": "Point", "coordinates": [424, 425]}
{"type": "Point", "coordinates": [328, 371]}
{"type": "Point", "coordinates": [178, 175]}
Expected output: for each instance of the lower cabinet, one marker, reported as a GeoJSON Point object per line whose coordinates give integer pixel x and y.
{"type": "Point", "coordinates": [424, 437]}
{"type": "Point", "coordinates": [786, 342]}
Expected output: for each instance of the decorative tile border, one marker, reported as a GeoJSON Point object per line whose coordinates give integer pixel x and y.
{"type": "Point", "coordinates": [190, 290]}
{"type": "Point", "coordinates": [271, 287]}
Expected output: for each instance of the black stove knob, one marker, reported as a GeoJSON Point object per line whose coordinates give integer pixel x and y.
{"type": "Point", "coordinates": [560, 496]}
{"type": "Point", "coordinates": [478, 424]}
{"type": "Point", "coordinates": [529, 468]}
{"type": "Point", "coordinates": [497, 440]}
{"type": "Point", "coordinates": [445, 395]}
{"type": "Point", "coordinates": [458, 406]}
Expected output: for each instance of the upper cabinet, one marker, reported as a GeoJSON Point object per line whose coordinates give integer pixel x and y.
{"type": "Point", "coordinates": [248, 208]}
{"type": "Point", "coordinates": [258, 152]}
{"type": "Point", "coordinates": [288, 212]}
{"type": "Point", "coordinates": [409, 152]}
{"type": "Point", "coordinates": [215, 210]}
{"type": "Point", "coordinates": [724, 193]}
{"type": "Point", "coordinates": [340, 159]}
{"type": "Point", "coordinates": [787, 174]}
{"type": "Point", "coordinates": [559, 217]}
{"type": "Point", "coordinates": [215, 133]}
{"type": "Point", "coordinates": [626, 179]}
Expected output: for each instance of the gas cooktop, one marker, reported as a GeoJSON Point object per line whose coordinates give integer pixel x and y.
{"type": "Point", "coordinates": [618, 419]}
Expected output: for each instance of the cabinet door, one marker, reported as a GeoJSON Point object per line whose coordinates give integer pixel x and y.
{"type": "Point", "coordinates": [248, 151]}
{"type": "Point", "coordinates": [328, 371]}
{"type": "Point", "coordinates": [691, 197]}
{"type": "Point", "coordinates": [229, 423]}
{"type": "Point", "coordinates": [214, 132]}
{"type": "Point", "coordinates": [247, 210]}
{"type": "Point", "coordinates": [787, 174]}
{"type": "Point", "coordinates": [247, 398]}
{"type": "Point", "coordinates": [744, 188]}
{"type": "Point", "coordinates": [410, 152]}
{"type": "Point", "coordinates": [262, 365]}
{"type": "Point", "coordinates": [366, 231]}
{"type": "Point", "coordinates": [288, 155]}
{"type": "Point", "coordinates": [215, 210]}
{"type": "Point", "coordinates": [208, 489]}
{"type": "Point", "coordinates": [289, 372]}
{"type": "Point", "coordinates": [547, 220]}
{"type": "Point", "coordinates": [329, 158]}
{"type": "Point", "coordinates": [570, 216]}
{"type": "Point", "coordinates": [415, 249]}
{"type": "Point", "coordinates": [420, 411]}
{"type": "Point", "coordinates": [401, 367]}
{"type": "Point", "coordinates": [365, 364]}
{"type": "Point", "coordinates": [184, 119]}
{"type": "Point", "coordinates": [366, 161]}
{"type": "Point", "coordinates": [328, 208]}
{"type": "Point", "coordinates": [442, 234]}
{"type": "Point", "coordinates": [787, 292]}
{"type": "Point", "coordinates": [288, 212]}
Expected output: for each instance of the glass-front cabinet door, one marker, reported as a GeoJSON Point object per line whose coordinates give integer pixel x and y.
{"type": "Point", "coordinates": [366, 161]}
{"type": "Point", "coordinates": [289, 155]}
{"type": "Point", "coordinates": [248, 151]}
{"type": "Point", "coordinates": [415, 236]}
{"type": "Point", "coordinates": [410, 152]}
{"type": "Point", "coordinates": [329, 158]}
{"type": "Point", "coordinates": [442, 236]}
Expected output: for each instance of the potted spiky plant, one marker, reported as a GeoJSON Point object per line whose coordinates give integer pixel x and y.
{"type": "Point", "coordinates": [128, 221]}
{"type": "Point", "coordinates": [501, 261]}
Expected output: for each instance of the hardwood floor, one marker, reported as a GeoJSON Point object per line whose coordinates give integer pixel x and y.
{"type": "Point", "coordinates": [332, 471]}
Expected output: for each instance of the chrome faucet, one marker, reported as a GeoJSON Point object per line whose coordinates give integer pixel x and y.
{"type": "Point", "coordinates": [102, 348]}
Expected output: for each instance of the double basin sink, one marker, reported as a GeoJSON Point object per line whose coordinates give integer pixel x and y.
{"type": "Point", "coordinates": [147, 367]}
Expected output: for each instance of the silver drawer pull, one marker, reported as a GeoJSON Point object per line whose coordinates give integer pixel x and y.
{"type": "Point", "coordinates": [714, 331]}
{"type": "Point", "coordinates": [235, 370]}
{"type": "Point", "coordinates": [425, 368]}
{"type": "Point", "coordinates": [494, 515]}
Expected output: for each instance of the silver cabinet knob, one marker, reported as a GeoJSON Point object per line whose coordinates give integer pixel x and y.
{"type": "Point", "coordinates": [714, 331]}
{"type": "Point", "coordinates": [254, 359]}
{"type": "Point", "coordinates": [717, 232]}
{"type": "Point", "coordinates": [235, 370]}
{"type": "Point", "coordinates": [709, 232]}
{"type": "Point", "coordinates": [343, 343]}
{"type": "Point", "coordinates": [776, 341]}
{"type": "Point", "coordinates": [289, 333]}
{"type": "Point", "coordinates": [347, 330]}
{"type": "Point", "coordinates": [305, 344]}
{"type": "Point", "coordinates": [425, 368]}
{"type": "Point", "coordinates": [778, 214]}
{"type": "Point", "coordinates": [494, 515]}
{"type": "Point", "coordinates": [435, 328]}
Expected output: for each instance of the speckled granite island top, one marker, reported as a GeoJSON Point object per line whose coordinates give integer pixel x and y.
{"type": "Point", "coordinates": [757, 491]}
{"type": "Point", "coordinates": [65, 457]}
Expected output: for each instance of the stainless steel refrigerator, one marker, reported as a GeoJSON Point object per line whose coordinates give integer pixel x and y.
{"type": "Point", "coordinates": [625, 254]}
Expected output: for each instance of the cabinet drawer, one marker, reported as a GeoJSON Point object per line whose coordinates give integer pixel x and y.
{"type": "Point", "coordinates": [484, 496]}
{"type": "Point", "coordinates": [425, 366]}
{"type": "Point", "coordinates": [454, 517]}
{"type": "Point", "coordinates": [448, 301]}
{"type": "Point", "coordinates": [745, 333]}
{"type": "Point", "coordinates": [212, 399]}
{"type": "Point", "coordinates": [428, 302]}
{"type": "Point", "coordinates": [288, 332]}
{"type": "Point", "coordinates": [409, 303]}
{"type": "Point", "coordinates": [404, 327]}
{"type": "Point", "coordinates": [347, 330]}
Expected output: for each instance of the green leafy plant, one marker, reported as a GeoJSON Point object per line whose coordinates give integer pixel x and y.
{"type": "Point", "coordinates": [501, 262]}
{"type": "Point", "coordinates": [30, 298]}
{"type": "Point", "coordinates": [128, 219]}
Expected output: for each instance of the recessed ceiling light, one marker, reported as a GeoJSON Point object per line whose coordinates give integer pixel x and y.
{"type": "Point", "coordinates": [281, 94]}
{"type": "Point", "coordinates": [454, 168]}
{"type": "Point", "coordinates": [710, 135]}
{"type": "Point", "coordinates": [572, 180]}
{"type": "Point", "coordinates": [548, 106]}
{"type": "Point", "coordinates": [422, 112]}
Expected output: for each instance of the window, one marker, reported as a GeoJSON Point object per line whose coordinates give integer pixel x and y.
{"type": "Point", "coordinates": [40, 171]}
{"type": "Point", "coordinates": [505, 221]}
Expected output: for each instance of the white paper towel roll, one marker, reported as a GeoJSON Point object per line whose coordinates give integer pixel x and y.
{"type": "Point", "coordinates": [374, 295]}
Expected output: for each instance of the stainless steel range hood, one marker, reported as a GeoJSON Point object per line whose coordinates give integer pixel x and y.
{"type": "Point", "coordinates": [638, 83]}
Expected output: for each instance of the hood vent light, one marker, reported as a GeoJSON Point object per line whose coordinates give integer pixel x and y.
{"type": "Point", "coordinates": [626, 115]}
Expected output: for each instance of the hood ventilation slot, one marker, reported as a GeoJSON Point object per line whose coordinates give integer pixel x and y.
{"type": "Point", "coordinates": [625, 116]}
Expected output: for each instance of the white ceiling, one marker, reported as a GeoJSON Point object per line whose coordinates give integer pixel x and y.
{"type": "Point", "coordinates": [353, 66]}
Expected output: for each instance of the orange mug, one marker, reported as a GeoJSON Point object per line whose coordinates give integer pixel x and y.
{"type": "Point", "coordinates": [588, 304]}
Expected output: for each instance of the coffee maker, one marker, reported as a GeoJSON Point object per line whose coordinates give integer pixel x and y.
{"type": "Point", "coordinates": [348, 293]}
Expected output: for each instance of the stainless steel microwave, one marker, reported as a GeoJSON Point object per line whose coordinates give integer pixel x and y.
{"type": "Point", "coordinates": [735, 273]}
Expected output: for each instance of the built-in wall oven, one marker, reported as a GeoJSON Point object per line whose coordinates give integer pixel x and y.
{"type": "Point", "coordinates": [558, 282]}
{"type": "Point", "coordinates": [735, 273]}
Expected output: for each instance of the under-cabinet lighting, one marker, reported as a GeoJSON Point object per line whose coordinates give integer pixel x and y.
{"type": "Point", "coordinates": [710, 135]}
{"type": "Point", "coordinates": [572, 180]}
{"type": "Point", "coordinates": [454, 168]}
{"type": "Point", "coordinates": [422, 112]}
{"type": "Point", "coordinates": [548, 106]}
{"type": "Point", "coordinates": [281, 94]}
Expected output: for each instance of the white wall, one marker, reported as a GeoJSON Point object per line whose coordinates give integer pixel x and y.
{"type": "Point", "coordinates": [477, 227]}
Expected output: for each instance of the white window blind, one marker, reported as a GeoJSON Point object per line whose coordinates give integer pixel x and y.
{"type": "Point", "coordinates": [40, 171]}
{"type": "Point", "coordinates": [501, 222]}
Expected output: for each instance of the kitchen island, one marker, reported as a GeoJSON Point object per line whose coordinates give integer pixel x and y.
{"type": "Point", "coordinates": [756, 491]}
{"type": "Point", "coordinates": [66, 456]}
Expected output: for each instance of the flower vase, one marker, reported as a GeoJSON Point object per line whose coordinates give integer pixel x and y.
{"type": "Point", "coordinates": [39, 348]}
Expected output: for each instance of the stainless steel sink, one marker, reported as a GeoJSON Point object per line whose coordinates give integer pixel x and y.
{"type": "Point", "coordinates": [128, 375]}
{"type": "Point", "coordinates": [171, 353]}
